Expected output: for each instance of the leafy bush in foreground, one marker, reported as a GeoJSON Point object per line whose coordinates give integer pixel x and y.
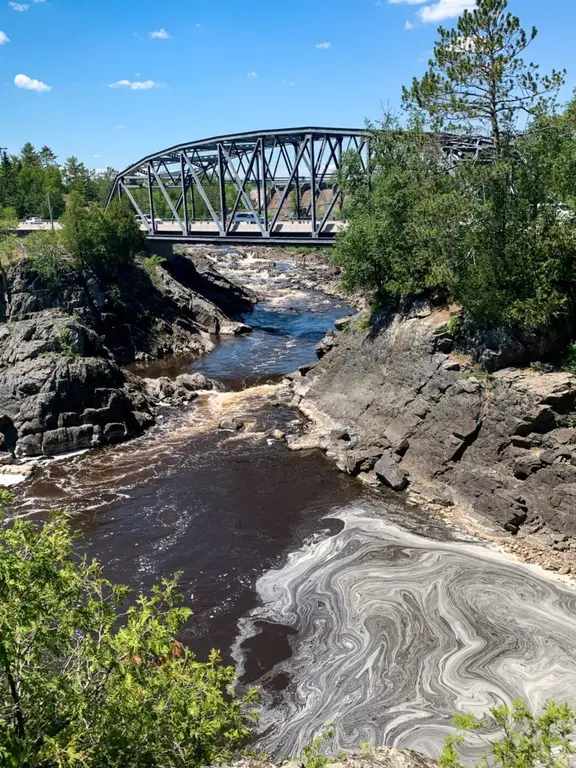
{"type": "Point", "coordinates": [87, 679]}
{"type": "Point", "coordinates": [526, 741]}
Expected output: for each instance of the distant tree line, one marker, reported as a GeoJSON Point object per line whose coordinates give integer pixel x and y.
{"type": "Point", "coordinates": [33, 184]}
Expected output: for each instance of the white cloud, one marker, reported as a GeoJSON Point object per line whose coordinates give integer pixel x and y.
{"type": "Point", "coordinates": [95, 155]}
{"type": "Point", "coordinates": [445, 9]}
{"type": "Point", "coordinates": [290, 83]}
{"type": "Point", "coordinates": [466, 44]}
{"type": "Point", "coordinates": [137, 85]}
{"type": "Point", "coordinates": [19, 6]}
{"type": "Point", "coordinates": [197, 26]}
{"type": "Point", "coordinates": [160, 34]}
{"type": "Point", "coordinates": [252, 74]}
{"type": "Point", "coordinates": [324, 45]}
{"type": "Point", "coordinates": [407, 2]}
{"type": "Point", "coordinates": [4, 38]}
{"type": "Point", "coordinates": [408, 25]}
{"type": "Point", "coordinates": [30, 84]}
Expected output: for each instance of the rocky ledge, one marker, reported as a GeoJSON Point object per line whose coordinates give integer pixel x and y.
{"type": "Point", "coordinates": [381, 757]}
{"type": "Point", "coordinates": [396, 407]}
{"type": "Point", "coordinates": [61, 348]}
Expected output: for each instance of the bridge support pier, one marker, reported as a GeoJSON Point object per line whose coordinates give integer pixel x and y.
{"type": "Point", "coordinates": [162, 248]}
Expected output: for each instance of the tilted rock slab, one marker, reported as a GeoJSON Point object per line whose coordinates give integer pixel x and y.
{"type": "Point", "coordinates": [392, 406]}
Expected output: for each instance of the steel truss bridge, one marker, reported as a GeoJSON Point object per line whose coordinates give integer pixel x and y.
{"type": "Point", "coordinates": [272, 187]}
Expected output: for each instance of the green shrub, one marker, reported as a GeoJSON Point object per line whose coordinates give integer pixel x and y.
{"type": "Point", "coordinates": [11, 251]}
{"type": "Point", "coordinates": [313, 755]}
{"type": "Point", "coordinates": [526, 741]}
{"type": "Point", "coordinates": [100, 240]}
{"type": "Point", "coordinates": [89, 677]}
{"type": "Point", "coordinates": [570, 359]}
{"type": "Point", "coordinates": [453, 326]}
{"type": "Point", "coordinates": [47, 257]}
{"type": "Point", "coordinates": [65, 341]}
{"type": "Point", "coordinates": [153, 263]}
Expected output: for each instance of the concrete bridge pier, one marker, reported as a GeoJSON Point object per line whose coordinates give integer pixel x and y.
{"type": "Point", "coordinates": [162, 248]}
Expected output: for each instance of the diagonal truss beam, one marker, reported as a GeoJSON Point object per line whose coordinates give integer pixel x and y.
{"type": "Point", "coordinates": [168, 198]}
{"type": "Point", "coordinates": [240, 185]}
{"type": "Point", "coordinates": [203, 194]}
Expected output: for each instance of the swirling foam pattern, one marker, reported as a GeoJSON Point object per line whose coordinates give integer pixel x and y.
{"type": "Point", "coordinates": [396, 632]}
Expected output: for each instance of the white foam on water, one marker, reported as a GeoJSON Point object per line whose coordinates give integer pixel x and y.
{"type": "Point", "coordinates": [396, 632]}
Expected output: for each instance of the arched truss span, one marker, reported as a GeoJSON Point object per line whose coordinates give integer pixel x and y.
{"type": "Point", "coordinates": [272, 186]}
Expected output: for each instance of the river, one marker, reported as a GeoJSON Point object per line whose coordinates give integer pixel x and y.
{"type": "Point", "coordinates": [343, 603]}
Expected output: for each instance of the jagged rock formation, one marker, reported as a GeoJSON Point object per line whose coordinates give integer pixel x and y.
{"type": "Point", "coordinates": [393, 406]}
{"type": "Point", "coordinates": [61, 385]}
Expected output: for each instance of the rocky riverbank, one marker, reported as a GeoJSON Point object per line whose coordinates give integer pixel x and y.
{"type": "Point", "coordinates": [383, 757]}
{"type": "Point", "coordinates": [62, 387]}
{"type": "Point", "coordinates": [396, 406]}
{"type": "Point", "coordinates": [311, 269]}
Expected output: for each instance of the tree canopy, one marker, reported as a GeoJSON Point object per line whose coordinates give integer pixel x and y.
{"type": "Point", "coordinates": [33, 184]}
{"type": "Point", "coordinates": [495, 232]}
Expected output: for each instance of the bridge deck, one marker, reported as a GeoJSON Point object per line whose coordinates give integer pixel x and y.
{"type": "Point", "coordinates": [284, 233]}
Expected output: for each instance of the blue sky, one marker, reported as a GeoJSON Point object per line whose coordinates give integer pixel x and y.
{"type": "Point", "coordinates": [190, 69]}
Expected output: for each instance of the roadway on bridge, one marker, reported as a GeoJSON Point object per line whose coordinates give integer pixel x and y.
{"type": "Point", "coordinates": [284, 232]}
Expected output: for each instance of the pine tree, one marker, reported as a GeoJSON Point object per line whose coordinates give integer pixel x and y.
{"type": "Point", "coordinates": [478, 80]}
{"type": "Point", "coordinates": [77, 177]}
{"type": "Point", "coordinates": [47, 157]}
{"type": "Point", "coordinates": [29, 155]}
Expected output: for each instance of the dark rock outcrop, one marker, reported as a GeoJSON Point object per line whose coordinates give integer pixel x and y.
{"type": "Point", "coordinates": [61, 384]}
{"type": "Point", "coordinates": [502, 446]}
{"type": "Point", "coordinates": [60, 389]}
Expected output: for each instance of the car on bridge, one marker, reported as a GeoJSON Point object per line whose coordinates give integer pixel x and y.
{"type": "Point", "coordinates": [248, 218]}
{"type": "Point", "coordinates": [33, 221]}
{"type": "Point", "coordinates": [147, 219]}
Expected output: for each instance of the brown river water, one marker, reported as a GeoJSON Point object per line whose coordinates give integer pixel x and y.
{"type": "Point", "coordinates": [344, 604]}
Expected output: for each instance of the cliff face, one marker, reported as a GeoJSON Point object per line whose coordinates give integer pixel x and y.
{"type": "Point", "coordinates": [61, 384]}
{"type": "Point", "coordinates": [393, 406]}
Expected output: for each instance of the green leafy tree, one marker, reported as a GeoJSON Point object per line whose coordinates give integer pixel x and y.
{"type": "Point", "coordinates": [126, 237]}
{"type": "Point", "coordinates": [100, 240]}
{"type": "Point", "coordinates": [102, 184]}
{"type": "Point", "coordinates": [9, 197]}
{"type": "Point", "coordinates": [402, 222]}
{"type": "Point", "coordinates": [516, 261]}
{"type": "Point", "coordinates": [478, 78]}
{"type": "Point", "coordinates": [527, 740]}
{"type": "Point", "coordinates": [89, 677]}
{"type": "Point", "coordinates": [53, 193]}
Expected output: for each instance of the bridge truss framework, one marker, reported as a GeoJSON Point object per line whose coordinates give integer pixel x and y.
{"type": "Point", "coordinates": [286, 181]}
